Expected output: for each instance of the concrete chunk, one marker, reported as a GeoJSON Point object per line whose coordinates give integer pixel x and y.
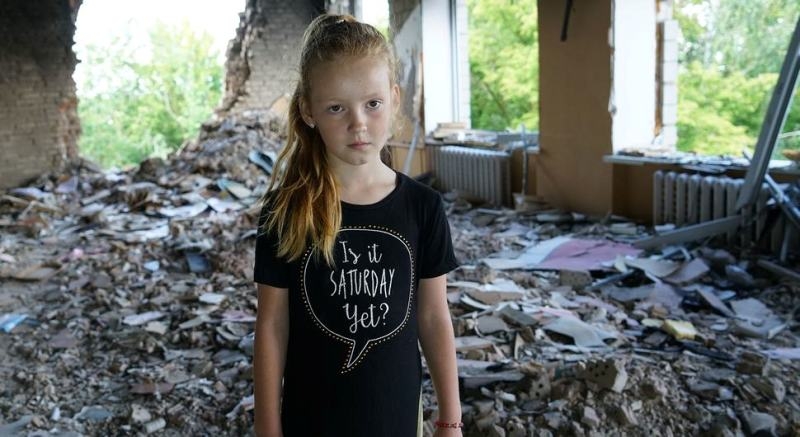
{"type": "Point", "coordinates": [761, 424]}
{"type": "Point", "coordinates": [590, 418]}
{"type": "Point", "coordinates": [609, 374]}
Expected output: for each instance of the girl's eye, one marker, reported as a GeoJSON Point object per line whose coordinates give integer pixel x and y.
{"type": "Point", "coordinates": [374, 104]}
{"type": "Point", "coordinates": [335, 109]}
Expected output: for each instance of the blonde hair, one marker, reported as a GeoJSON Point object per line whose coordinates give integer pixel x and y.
{"type": "Point", "coordinates": [303, 194]}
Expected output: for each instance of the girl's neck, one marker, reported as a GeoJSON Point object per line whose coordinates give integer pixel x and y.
{"type": "Point", "coordinates": [366, 184]}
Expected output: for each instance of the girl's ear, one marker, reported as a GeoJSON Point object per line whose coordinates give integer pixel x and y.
{"type": "Point", "coordinates": [306, 113]}
{"type": "Point", "coordinates": [396, 96]}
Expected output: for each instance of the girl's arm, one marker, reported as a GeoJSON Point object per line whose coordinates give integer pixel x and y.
{"type": "Point", "coordinates": [269, 358]}
{"type": "Point", "coordinates": [438, 345]}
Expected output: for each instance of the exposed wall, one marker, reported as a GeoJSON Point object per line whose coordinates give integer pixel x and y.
{"type": "Point", "coordinates": [405, 20]}
{"type": "Point", "coordinates": [574, 91]}
{"type": "Point", "coordinates": [462, 84]}
{"type": "Point", "coordinates": [39, 124]}
{"type": "Point", "coordinates": [262, 59]}
{"type": "Point", "coordinates": [431, 41]}
{"type": "Point", "coordinates": [668, 32]}
{"type": "Point", "coordinates": [608, 86]}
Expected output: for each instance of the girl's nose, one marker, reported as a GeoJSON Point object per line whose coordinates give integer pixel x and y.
{"type": "Point", "coordinates": [358, 121]}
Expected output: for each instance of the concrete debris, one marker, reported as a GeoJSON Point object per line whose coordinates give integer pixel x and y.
{"type": "Point", "coordinates": [577, 279]}
{"type": "Point", "coordinates": [755, 319]}
{"type": "Point", "coordinates": [623, 415]}
{"type": "Point", "coordinates": [606, 374]}
{"type": "Point", "coordinates": [714, 301]}
{"type": "Point", "coordinates": [127, 307]}
{"type": "Point", "coordinates": [140, 414]}
{"type": "Point", "coordinates": [771, 388]}
{"type": "Point", "coordinates": [752, 363]}
{"type": "Point", "coordinates": [761, 424]}
{"type": "Point", "coordinates": [580, 333]}
{"type": "Point", "coordinates": [491, 325]}
{"type": "Point", "coordinates": [656, 267]}
{"type": "Point", "coordinates": [688, 272]}
{"type": "Point", "coordinates": [155, 425]}
{"type": "Point", "coordinates": [16, 427]}
{"type": "Point", "coordinates": [589, 417]}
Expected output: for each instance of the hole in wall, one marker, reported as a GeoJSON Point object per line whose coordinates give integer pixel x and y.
{"type": "Point", "coordinates": [149, 73]}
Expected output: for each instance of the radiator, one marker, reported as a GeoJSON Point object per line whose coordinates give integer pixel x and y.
{"type": "Point", "coordinates": [477, 174]}
{"type": "Point", "coordinates": [685, 199]}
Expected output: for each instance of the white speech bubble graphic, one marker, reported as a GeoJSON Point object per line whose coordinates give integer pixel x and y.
{"type": "Point", "coordinates": [365, 298]}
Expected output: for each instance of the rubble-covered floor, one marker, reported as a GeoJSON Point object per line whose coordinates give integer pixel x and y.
{"type": "Point", "coordinates": [127, 304]}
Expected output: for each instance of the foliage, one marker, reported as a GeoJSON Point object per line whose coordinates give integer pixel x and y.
{"type": "Point", "coordinates": [721, 114]}
{"type": "Point", "coordinates": [709, 133]}
{"type": "Point", "coordinates": [746, 36]}
{"type": "Point", "coordinates": [504, 64]}
{"type": "Point", "coordinates": [145, 101]}
{"type": "Point", "coordinates": [133, 106]}
{"type": "Point", "coordinates": [731, 54]}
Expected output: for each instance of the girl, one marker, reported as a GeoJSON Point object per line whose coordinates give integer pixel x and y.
{"type": "Point", "coordinates": [350, 260]}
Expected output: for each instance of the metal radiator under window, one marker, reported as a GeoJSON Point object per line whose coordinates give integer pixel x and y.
{"type": "Point", "coordinates": [477, 174]}
{"type": "Point", "coordinates": [686, 199]}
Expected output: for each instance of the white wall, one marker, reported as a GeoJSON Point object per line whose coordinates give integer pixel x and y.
{"type": "Point", "coordinates": [462, 83]}
{"type": "Point", "coordinates": [633, 97]}
{"type": "Point", "coordinates": [437, 63]}
{"type": "Point", "coordinates": [445, 53]}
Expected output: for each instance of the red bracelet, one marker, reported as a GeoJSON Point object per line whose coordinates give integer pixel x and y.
{"type": "Point", "coordinates": [439, 424]}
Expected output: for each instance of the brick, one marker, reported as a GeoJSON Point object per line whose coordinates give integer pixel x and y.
{"type": "Point", "coordinates": [36, 132]}
{"type": "Point", "coordinates": [275, 54]}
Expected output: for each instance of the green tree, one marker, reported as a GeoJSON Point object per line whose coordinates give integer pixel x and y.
{"type": "Point", "coordinates": [727, 107]}
{"type": "Point", "coordinates": [731, 54]}
{"type": "Point", "coordinates": [142, 101]}
{"type": "Point", "coordinates": [504, 63]}
{"type": "Point", "coordinates": [745, 36]}
{"type": "Point", "coordinates": [713, 116]}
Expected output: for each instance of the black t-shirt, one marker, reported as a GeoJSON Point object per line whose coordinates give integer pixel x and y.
{"type": "Point", "coordinates": [353, 365]}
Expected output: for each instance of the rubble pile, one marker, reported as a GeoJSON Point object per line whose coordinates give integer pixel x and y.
{"type": "Point", "coordinates": [127, 294]}
{"type": "Point", "coordinates": [686, 341]}
{"type": "Point", "coordinates": [127, 307]}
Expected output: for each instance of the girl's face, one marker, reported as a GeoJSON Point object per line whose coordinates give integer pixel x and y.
{"type": "Point", "coordinates": [351, 102]}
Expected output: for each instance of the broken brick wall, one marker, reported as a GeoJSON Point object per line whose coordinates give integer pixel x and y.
{"type": "Point", "coordinates": [39, 125]}
{"type": "Point", "coordinates": [262, 59]}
